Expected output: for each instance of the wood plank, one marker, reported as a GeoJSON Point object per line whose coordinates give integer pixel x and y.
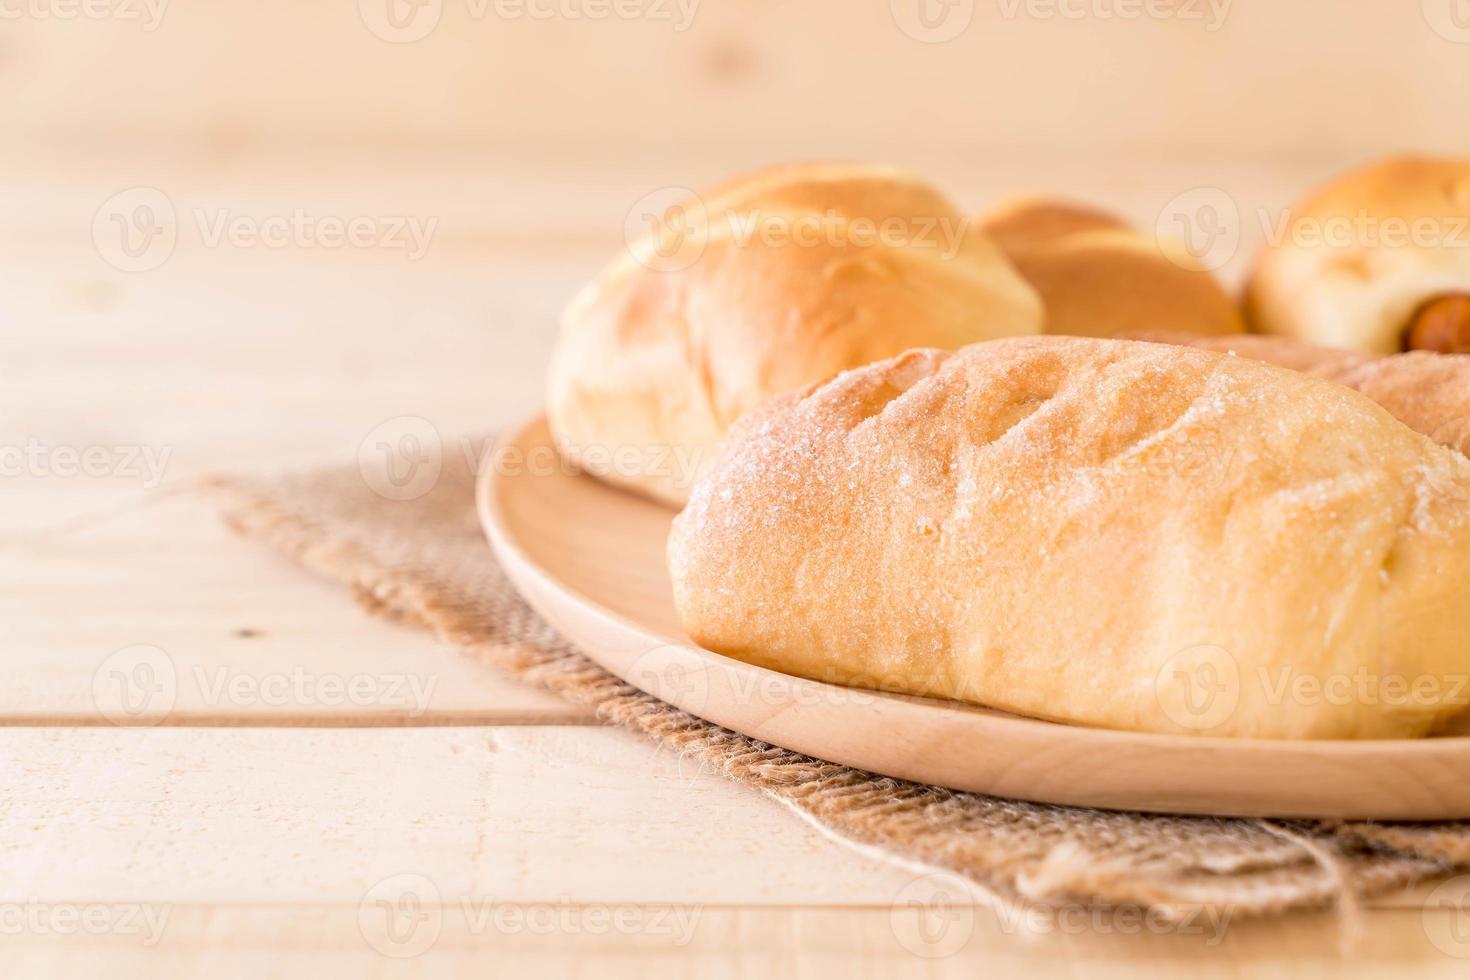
{"type": "Point", "coordinates": [521, 814]}
{"type": "Point", "coordinates": [1239, 74]}
{"type": "Point", "coordinates": [301, 370]}
{"type": "Point", "coordinates": [530, 814]}
{"type": "Point", "coordinates": [275, 850]}
{"type": "Point", "coordinates": [622, 940]}
{"type": "Point", "coordinates": [161, 615]}
{"type": "Point", "coordinates": [301, 365]}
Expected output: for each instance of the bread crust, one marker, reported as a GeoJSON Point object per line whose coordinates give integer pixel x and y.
{"type": "Point", "coordinates": [657, 362]}
{"type": "Point", "coordinates": [1075, 529]}
{"type": "Point", "coordinates": [1428, 392]}
{"type": "Point", "coordinates": [1361, 254]}
{"type": "Point", "coordinates": [1100, 277]}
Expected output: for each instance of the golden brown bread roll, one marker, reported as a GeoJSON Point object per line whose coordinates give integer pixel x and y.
{"type": "Point", "coordinates": [1128, 535]}
{"type": "Point", "coordinates": [1100, 277]}
{"type": "Point", "coordinates": [778, 279]}
{"type": "Point", "coordinates": [1430, 393]}
{"type": "Point", "coordinates": [1377, 260]}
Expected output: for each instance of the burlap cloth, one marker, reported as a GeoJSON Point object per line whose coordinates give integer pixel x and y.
{"type": "Point", "coordinates": [426, 561]}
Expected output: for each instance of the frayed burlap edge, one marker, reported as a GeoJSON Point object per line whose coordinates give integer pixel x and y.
{"type": "Point", "coordinates": [424, 561]}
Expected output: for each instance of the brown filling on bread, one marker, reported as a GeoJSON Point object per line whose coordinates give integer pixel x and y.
{"type": "Point", "coordinates": [1441, 324]}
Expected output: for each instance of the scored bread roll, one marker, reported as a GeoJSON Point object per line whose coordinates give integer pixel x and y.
{"type": "Point", "coordinates": [1100, 277]}
{"type": "Point", "coordinates": [1430, 393]}
{"type": "Point", "coordinates": [1377, 260]}
{"type": "Point", "coordinates": [1128, 535]}
{"type": "Point", "coordinates": [773, 281]}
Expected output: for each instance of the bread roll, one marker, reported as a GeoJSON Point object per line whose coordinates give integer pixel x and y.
{"type": "Point", "coordinates": [1111, 533]}
{"type": "Point", "coordinates": [1099, 277]}
{"type": "Point", "coordinates": [1378, 260]}
{"type": "Point", "coordinates": [778, 279]}
{"type": "Point", "coordinates": [1430, 393]}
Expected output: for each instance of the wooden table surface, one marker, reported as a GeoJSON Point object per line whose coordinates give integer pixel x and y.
{"type": "Point", "coordinates": [442, 819]}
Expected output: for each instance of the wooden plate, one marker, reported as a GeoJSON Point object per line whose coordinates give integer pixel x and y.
{"type": "Point", "coordinates": [590, 559]}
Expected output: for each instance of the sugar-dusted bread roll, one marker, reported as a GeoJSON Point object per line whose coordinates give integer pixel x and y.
{"type": "Point", "coordinates": [1112, 533]}
{"type": "Point", "coordinates": [1377, 260]}
{"type": "Point", "coordinates": [769, 283]}
{"type": "Point", "coordinates": [1100, 277]}
{"type": "Point", "coordinates": [1428, 392]}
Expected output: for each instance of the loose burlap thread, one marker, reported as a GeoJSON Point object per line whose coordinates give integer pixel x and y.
{"type": "Point", "coordinates": [426, 560]}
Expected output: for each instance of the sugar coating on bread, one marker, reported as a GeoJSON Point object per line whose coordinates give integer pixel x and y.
{"type": "Point", "coordinates": [1094, 531]}
{"type": "Point", "coordinates": [1428, 392]}
{"type": "Point", "coordinates": [793, 274]}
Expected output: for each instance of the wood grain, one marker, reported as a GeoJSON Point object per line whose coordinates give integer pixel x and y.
{"type": "Point", "coordinates": [744, 74]}
{"type": "Point", "coordinates": [248, 942]}
{"type": "Point", "coordinates": [236, 635]}
{"type": "Point", "coordinates": [268, 850]}
{"type": "Point", "coordinates": [255, 816]}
